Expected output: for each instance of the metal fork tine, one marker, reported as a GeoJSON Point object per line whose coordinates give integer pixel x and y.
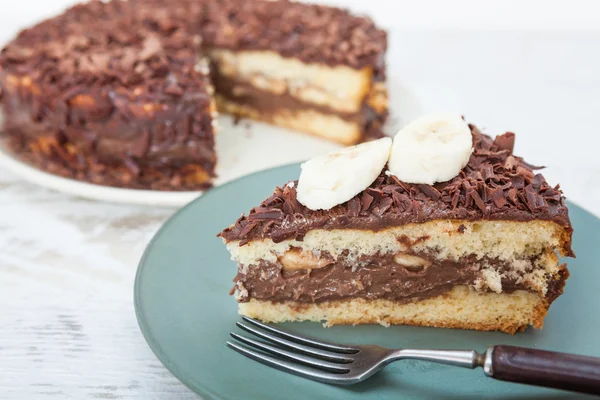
{"type": "Point", "coordinates": [315, 352]}
{"type": "Point", "coordinates": [302, 339]}
{"type": "Point", "coordinates": [310, 361]}
{"type": "Point", "coordinates": [288, 366]}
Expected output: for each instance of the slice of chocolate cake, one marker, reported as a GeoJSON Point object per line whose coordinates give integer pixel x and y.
{"type": "Point", "coordinates": [111, 93]}
{"type": "Point", "coordinates": [477, 251]}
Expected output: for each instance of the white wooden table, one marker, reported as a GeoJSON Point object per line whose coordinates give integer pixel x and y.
{"type": "Point", "coordinates": [67, 324]}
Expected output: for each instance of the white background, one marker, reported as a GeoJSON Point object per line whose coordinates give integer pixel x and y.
{"type": "Point", "coordinates": [67, 328]}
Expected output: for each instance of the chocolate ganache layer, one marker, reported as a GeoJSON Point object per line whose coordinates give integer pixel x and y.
{"type": "Point", "coordinates": [494, 185]}
{"type": "Point", "coordinates": [375, 277]}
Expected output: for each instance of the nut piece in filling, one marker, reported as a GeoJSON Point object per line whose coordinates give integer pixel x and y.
{"type": "Point", "coordinates": [296, 259]}
{"type": "Point", "coordinates": [479, 251]}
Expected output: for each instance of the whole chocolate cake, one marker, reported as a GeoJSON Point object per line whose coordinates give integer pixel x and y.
{"type": "Point", "coordinates": [120, 93]}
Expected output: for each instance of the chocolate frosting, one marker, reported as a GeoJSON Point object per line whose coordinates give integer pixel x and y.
{"type": "Point", "coordinates": [494, 185]}
{"type": "Point", "coordinates": [136, 50]}
{"type": "Point", "coordinates": [309, 32]}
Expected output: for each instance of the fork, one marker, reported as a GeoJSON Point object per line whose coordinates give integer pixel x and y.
{"type": "Point", "coordinates": [346, 364]}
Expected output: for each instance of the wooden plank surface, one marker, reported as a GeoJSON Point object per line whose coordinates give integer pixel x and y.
{"type": "Point", "coordinates": [67, 326]}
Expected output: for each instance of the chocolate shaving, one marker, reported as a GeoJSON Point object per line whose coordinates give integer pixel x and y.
{"type": "Point", "coordinates": [263, 213]}
{"type": "Point", "coordinates": [354, 207]}
{"type": "Point", "coordinates": [151, 47]}
{"type": "Point", "coordinates": [455, 199]}
{"type": "Point", "coordinates": [487, 172]}
{"type": "Point", "coordinates": [537, 181]}
{"type": "Point", "coordinates": [517, 181]}
{"type": "Point", "coordinates": [245, 231]}
{"type": "Point", "coordinates": [505, 141]}
{"type": "Point", "coordinates": [430, 191]}
{"type": "Point", "coordinates": [512, 195]}
{"type": "Point", "coordinates": [478, 201]}
{"type": "Point", "coordinates": [375, 193]}
{"type": "Point", "coordinates": [497, 196]}
{"type": "Point", "coordinates": [524, 172]}
{"type": "Point", "coordinates": [366, 200]}
{"type": "Point", "coordinates": [382, 207]}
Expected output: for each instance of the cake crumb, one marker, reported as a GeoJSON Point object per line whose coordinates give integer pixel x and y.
{"type": "Point", "coordinates": [241, 292]}
{"type": "Point", "coordinates": [491, 279]}
{"type": "Point", "coordinates": [384, 323]}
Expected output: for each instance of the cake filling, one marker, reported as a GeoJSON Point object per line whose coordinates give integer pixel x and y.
{"type": "Point", "coordinates": [339, 88]}
{"type": "Point", "coordinates": [244, 92]}
{"type": "Point", "coordinates": [265, 102]}
{"type": "Point", "coordinates": [401, 277]}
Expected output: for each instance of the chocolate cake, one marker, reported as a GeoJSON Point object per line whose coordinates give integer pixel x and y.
{"type": "Point", "coordinates": [480, 251]}
{"type": "Point", "coordinates": [120, 93]}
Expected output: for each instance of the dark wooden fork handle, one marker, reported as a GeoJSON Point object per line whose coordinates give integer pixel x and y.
{"type": "Point", "coordinates": [546, 368]}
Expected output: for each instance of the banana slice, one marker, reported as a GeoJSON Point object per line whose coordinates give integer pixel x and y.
{"type": "Point", "coordinates": [332, 179]}
{"type": "Point", "coordinates": [433, 148]}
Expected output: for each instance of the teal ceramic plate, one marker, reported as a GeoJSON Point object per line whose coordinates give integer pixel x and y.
{"type": "Point", "coordinates": [186, 314]}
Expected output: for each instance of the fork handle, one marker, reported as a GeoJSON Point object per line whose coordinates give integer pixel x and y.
{"type": "Point", "coordinates": [544, 368]}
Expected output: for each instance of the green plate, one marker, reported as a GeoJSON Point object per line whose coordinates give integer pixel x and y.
{"type": "Point", "coordinates": [186, 314]}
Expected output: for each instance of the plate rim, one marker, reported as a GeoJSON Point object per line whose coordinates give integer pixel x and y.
{"type": "Point", "coordinates": [202, 391]}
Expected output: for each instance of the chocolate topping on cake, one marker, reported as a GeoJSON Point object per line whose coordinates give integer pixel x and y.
{"type": "Point", "coordinates": [309, 32]}
{"type": "Point", "coordinates": [495, 185]}
{"type": "Point", "coordinates": [112, 43]}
